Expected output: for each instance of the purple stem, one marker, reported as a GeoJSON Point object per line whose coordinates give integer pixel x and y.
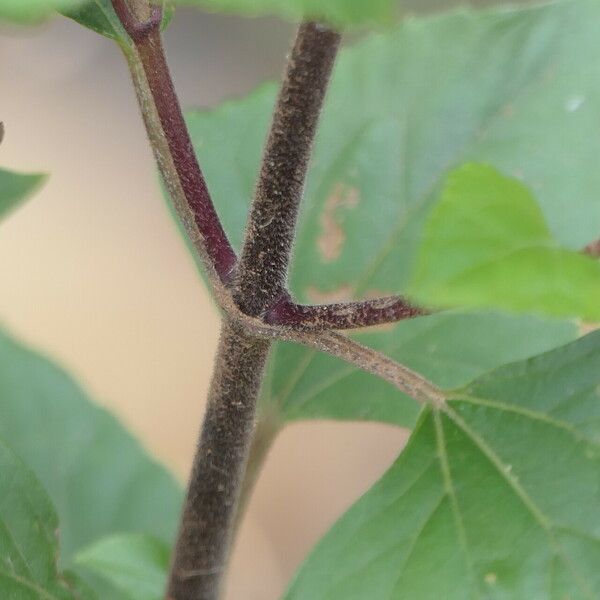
{"type": "Point", "coordinates": [147, 40]}
{"type": "Point", "coordinates": [346, 315]}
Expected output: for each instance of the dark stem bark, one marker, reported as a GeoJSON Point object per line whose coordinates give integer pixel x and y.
{"type": "Point", "coordinates": [345, 315]}
{"type": "Point", "coordinates": [179, 166]}
{"type": "Point", "coordinates": [263, 268]}
{"type": "Point", "coordinates": [217, 478]}
{"type": "Point", "coordinates": [209, 515]}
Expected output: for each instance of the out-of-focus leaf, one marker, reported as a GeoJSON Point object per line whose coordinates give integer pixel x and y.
{"type": "Point", "coordinates": [136, 564]}
{"type": "Point", "coordinates": [486, 244]}
{"type": "Point", "coordinates": [338, 12]}
{"type": "Point", "coordinates": [15, 187]}
{"type": "Point", "coordinates": [32, 11]}
{"type": "Point", "coordinates": [98, 477]}
{"type": "Point", "coordinates": [29, 538]}
{"type": "Point", "coordinates": [494, 497]}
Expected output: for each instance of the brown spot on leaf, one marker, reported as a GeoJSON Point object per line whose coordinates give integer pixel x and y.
{"type": "Point", "coordinates": [332, 237]}
{"type": "Point", "coordinates": [508, 111]}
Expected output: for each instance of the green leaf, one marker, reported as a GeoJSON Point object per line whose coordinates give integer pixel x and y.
{"type": "Point", "coordinates": [14, 188]}
{"type": "Point", "coordinates": [500, 85]}
{"type": "Point", "coordinates": [486, 244]}
{"type": "Point", "coordinates": [338, 12]}
{"type": "Point", "coordinates": [100, 16]}
{"type": "Point", "coordinates": [136, 564]}
{"type": "Point", "coordinates": [32, 11]}
{"type": "Point", "coordinates": [99, 478]}
{"type": "Point", "coordinates": [495, 497]}
{"type": "Point", "coordinates": [28, 538]}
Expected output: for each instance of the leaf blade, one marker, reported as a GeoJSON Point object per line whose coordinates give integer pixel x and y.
{"type": "Point", "coordinates": [15, 188]}
{"type": "Point", "coordinates": [486, 244]}
{"type": "Point", "coordinates": [136, 564]}
{"type": "Point", "coordinates": [525, 485]}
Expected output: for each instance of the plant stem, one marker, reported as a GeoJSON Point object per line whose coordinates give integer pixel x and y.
{"type": "Point", "coordinates": [372, 361]}
{"type": "Point", "coordinates": [263, 267]}
{"type": "Point", "coordinates": [172, 145]}
{"type": "Point", "coordinates": [345, 315]}
{"type": "Point", "coordinates": [217, 478]}
{"type": "Point", "coordinates": [209, 515]}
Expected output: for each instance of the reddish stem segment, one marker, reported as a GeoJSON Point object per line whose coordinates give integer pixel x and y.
{"type": "Point", "coordinates": [346, 315]}
{"type": "Point", "coordinates": [147, 40]}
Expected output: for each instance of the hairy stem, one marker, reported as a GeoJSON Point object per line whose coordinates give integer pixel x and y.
{"type": "Point", "coordinates": [263, 267]}
{"type": "Point", "coordinates": [171, 143]}
{"type": "Point", "coordinates": [345, 315]}
{"type": "Point", "coordinates": [209, 515]}
{"type": "Point", "coordinates": [374, 362]}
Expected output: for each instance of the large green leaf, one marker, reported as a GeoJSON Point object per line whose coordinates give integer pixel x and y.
{"type": "Point", "coordinates": [339, 12]}
{"type": "Point", "coordinates": [15, 187]}
{"type": "Point", "coordinates": [136, 564]}
{"type": "Point", "coordinates": [487, 244]}
{"type": "Point", "coordinates": [31, 11]}
{"type": "Point", "coordinates": [495, 497]}
{"type": "Point", "coordinates": [28, 538]}
{"type": "Point", "coordinates": [403, 108]}
{"type": "Point", "coordinates": [97, 475]}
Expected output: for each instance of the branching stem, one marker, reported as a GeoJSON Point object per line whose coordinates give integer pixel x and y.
{"type": "Point", "coordinates": [265, 257]}
{"type": "Point", "coordinates": [252, 291]}
{"type": "Point", "coordinates": [345, 315]}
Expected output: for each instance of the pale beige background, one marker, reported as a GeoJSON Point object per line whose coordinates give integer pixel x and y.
{"type": "Point", "coordinates": [93, 272]}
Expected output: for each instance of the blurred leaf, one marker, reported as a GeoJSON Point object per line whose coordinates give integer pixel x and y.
{"type": "Point", "coordinates": [15, 187]}
{"type": "Point", "coordinates": [495, 497]}
{"type": "Point", "coordinates": [28, 538]}
{"type": "Point", "coordinates": [339, 12]}
{"type": "Point", "coordinates": [486, 244]}
{"type": "Point", "coordinates": [136, 564]}
{"type": "Point", "coordinates": [32, 11]}
{"type": "Point", "coordinates": [99, 478]}
{"type": "Point", "coordinates": [100, 16]}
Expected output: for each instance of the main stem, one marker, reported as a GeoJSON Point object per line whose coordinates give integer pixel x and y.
{"type": "Point", "coordinates": [207, 524]}
{"type": "Point", "coordinates": [263, 268]}
{"type": "Point", "coordinates": [217, 478]}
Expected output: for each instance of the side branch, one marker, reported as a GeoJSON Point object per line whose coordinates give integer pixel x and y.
{"type": "Point", "coordinates": [263, 267]}
{"type": "Point", "coordinates": [172, 144]}
{"type": "Point", "coordinates": [374, 362]}
{"type": "Point", "coordinates": [345, 315]}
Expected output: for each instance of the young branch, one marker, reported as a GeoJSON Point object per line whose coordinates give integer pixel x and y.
{"type": "Point", "coordinates": [263, 267]}
{"type": "Point", "coordinates": [345, 315]}
{"type": "Point", "coordinates": [172, 145]}
{"type": "Point", "coordinates": [372, 361]}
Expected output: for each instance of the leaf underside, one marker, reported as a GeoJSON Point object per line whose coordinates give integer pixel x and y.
{"type": "Point", "coordinates": [495, 497]}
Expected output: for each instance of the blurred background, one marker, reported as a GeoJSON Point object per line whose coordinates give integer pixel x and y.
{"type": "Point", "coordinates": [94, 274]}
